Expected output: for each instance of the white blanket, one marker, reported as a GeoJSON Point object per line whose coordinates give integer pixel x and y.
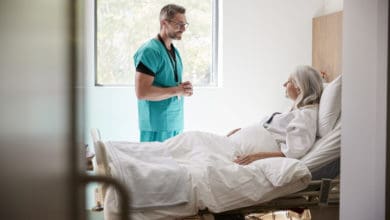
{"type": "Point", "coordinates": [153, 177]}
{"type": "Point", "coordinates": [213, 180]}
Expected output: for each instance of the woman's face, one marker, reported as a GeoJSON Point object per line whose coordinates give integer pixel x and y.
{"type": "Point", "coordinates": [292, 91]}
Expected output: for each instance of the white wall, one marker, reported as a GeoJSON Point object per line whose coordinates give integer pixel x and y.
{"type": "Point", "coordinates": [331, 6]}
{"type": "Point", "coordinates": [363, 152]}
{"type": "Point", "coordinates": [262, 42]}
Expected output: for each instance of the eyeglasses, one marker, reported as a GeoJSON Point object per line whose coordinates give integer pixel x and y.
{"type": "Point", "coordinates": [179, 25]}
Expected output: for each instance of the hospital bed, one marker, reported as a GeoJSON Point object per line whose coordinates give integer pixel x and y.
{"type": "Point", "coordinates": [299, 194]}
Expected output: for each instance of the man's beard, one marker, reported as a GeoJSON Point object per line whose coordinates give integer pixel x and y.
{"type": "Point", "coordinates": [175, 35]}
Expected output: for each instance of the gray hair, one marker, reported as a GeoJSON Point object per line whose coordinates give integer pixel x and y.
{"type": "Point", "coordinates": [169, 11]}
{"type": "Point", "coordinates": [309, 82]}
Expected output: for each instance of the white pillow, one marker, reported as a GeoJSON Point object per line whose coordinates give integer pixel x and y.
{"type": "Point", "coordinates": [252, 139]}
{"type": "Point", "coordinates": [324, 150]}
{"type": "Point", "coordinates": [330, 107]}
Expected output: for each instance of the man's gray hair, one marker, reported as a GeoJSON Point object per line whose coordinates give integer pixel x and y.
{"type": "Point", "coordinates": [169, 11]}
{"type": "Point", "coordinates": [309, 81]}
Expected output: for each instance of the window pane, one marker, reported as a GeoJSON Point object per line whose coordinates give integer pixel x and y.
{"type": "Point", "coordinates": [124, 25]}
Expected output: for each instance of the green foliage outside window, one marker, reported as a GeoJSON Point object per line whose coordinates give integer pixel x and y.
{"type": "Point", "coordinates": [124, 25]}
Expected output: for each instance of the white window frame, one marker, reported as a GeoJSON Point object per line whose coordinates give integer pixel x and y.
{"type": "Point", "coordinates": [215, 75]}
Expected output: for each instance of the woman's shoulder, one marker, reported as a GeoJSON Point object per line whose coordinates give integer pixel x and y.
{"type": "Point", "coordinates": [305, 111]}
{"type": "Point", "coordinates": [308, 108]}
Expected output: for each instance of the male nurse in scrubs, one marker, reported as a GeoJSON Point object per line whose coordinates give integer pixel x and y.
{"type": "Point", "coordinates": [158, 80]}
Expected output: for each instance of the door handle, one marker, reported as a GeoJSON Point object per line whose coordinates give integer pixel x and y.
{"type": "Point", "coordinates": [123, 193]}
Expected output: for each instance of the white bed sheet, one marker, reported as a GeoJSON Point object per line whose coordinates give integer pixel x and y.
{"type": "Point", "coordinates": [215, 181]}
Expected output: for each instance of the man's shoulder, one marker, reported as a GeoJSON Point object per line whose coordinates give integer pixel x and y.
{"type": "Point", "coordinates": [150, 45]}
{"type": "Point", "coordinates": [149, 53]}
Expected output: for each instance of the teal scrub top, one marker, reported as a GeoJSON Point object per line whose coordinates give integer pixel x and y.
{"type": "Point", "coordinates": [167, 114]}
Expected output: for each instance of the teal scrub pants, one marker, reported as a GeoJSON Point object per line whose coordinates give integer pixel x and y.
{"type": "Point", "coordinates": [149, 136]}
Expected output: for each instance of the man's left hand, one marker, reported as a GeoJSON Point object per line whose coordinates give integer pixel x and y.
{"type": "Point", "coordinates": [187, 86]}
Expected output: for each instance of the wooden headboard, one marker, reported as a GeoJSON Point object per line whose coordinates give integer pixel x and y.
{"type": "Point", "coordinates": [327, 44]}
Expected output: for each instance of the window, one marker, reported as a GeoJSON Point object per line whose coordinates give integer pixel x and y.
{"type": "Point", "coordinates": [122, 26]}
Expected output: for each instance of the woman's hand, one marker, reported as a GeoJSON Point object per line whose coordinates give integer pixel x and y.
{"type": "Point", "coordinates": [249, 158]}
{"type": "Point", "coordinates": [325, 76]}
{"type": "Point", "coordinates": [232, 132]}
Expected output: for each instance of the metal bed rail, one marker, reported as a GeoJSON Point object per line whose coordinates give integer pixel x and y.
{"type": "Point", "coordinates": [323, 192]}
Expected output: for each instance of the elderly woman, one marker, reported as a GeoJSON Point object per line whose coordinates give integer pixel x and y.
{"type": "Point", "coordinates": [294, 131]}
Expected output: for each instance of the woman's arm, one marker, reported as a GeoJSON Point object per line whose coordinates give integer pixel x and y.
{"type": "Point", "coordinates": [232, 132]}
{"type": "Point", "coordinates": [300, 133]}
{"type": "Point", "coordinates": [247, 159]}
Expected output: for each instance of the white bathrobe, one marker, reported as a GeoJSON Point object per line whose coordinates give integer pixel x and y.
{"type": "Point", "coordinates": [295, 131]}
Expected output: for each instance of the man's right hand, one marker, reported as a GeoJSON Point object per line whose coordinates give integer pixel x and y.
{"type": "Point", "coordinates": [186, 88]}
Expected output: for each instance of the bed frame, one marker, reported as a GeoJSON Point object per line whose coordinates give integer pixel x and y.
{"type": "Point", "coordinates": [320, 193]}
